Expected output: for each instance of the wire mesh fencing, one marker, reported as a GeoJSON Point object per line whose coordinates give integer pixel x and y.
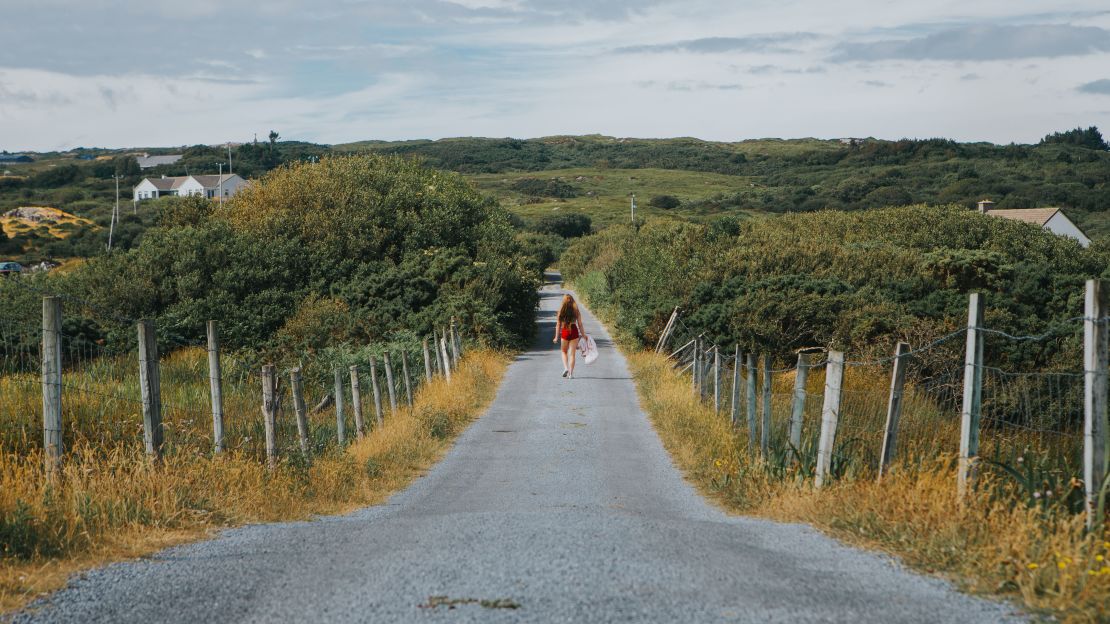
{"type": "Point", "coordinates": [82, 369]}
{"type": "Point", "coordinates": [992, 400]}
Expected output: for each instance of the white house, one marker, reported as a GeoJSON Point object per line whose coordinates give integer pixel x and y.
{"type": "Point", "coordinates": [210, 186]}
{"type": "Point", "coordinates": [1052, 219]}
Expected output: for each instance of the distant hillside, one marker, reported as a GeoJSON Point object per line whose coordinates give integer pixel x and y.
{"type": "Point", "coordinates": [595, 176]}
{"type": "Point", "coordinates": [809, 174]}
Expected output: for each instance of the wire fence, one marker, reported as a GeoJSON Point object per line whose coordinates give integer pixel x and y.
{"type": "Point", "coordinates": [1026, 419]}
{"type": "Point", "coordinates": [104, 404]}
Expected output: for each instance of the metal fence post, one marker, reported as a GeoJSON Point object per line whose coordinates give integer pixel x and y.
{"type": "Point", "coordinates": [52, 382]}
{"type": "Point", "coordinates": [973, 397]}
{"type": "Point", "coordinates": [894, 408]}
{"type": "Point", "coordinates": [830, 415]}
{"type": "Point", "coordinates": [1096, 340]}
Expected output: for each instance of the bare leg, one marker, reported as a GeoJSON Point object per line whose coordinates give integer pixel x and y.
{"type": "Point", "coordinates": [564, 346]}
{"type": "Point", "coordinates": [571, 355]}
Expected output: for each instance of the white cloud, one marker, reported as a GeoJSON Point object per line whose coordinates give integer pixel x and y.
{"type": "Point", "coordinates": [342, 70]}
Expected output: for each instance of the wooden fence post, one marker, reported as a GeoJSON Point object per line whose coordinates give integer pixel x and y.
{"type": "Point", "coordinates": [751, 407]}
{"type": "Point", "coordinates": [716, 380]}
{"type": "Point", "coordinates": [269, 412]}
{"type": "Point", "coordinates": [694, 365]}
{"type": "Point", "coordinates": [798, 404]}
{"type": "Point", "coordinates": [438, 352]}
{"type": "Point", "coordinates": [390, 386]}
{"type": "Point", "coordinates": [150, 386]}
{"type": "Point", "coordinates": [215, 383]}
{"type": "Point", "coordinates": [427, 362]}
{"type": "Point", "coordinates": [1096, 341]}
{"type": "Point", "coordinates": [356, 403]}
{"type": "Point", "coordinates": [340, 422]}
{"type": "Point", "coordinates": [830, 415]}
{"type": "Point", "coordinates": [52, 383]}
{"type": "Point", "coordinates": [405, 374]}
{"type": "Point", "coordinates": [377, 392]}
{"type": "Point", "coordinates": [706, 370]}
{"type": "Point", "coordinates": [446, 358]}
{"type": "Point", "coordinates": [662, 342]}
{"type": "Point", "coordinates": [296, 384]}
{"type": "Point", "coordinates": [894, 408]}
{"type": "Point", "coordinates": [456, 341]}
{"type": "Point", "coordinates": [973, 397]}
{"type": "Point", "coordinates": [734, 404]}
{"type": "Point", "coordinates": [765, 430]}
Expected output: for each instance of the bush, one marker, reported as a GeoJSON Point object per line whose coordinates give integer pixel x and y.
{"type": "Point", "coordinates": [350, 249]}
{"type": "Point", "coordinates": [553, 187]}
{"type": "Point", "coordinates": [665, 202]}
{"type": "Point", "coordinates": [568, 225]}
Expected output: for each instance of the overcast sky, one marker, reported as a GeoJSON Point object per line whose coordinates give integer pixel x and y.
{"type": "Point", "coordinates": [117, 73]}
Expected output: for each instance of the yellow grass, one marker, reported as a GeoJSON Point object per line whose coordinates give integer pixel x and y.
{"type": "Point", "coordinates": [999, 546]}
{"type": "Point", "coordinates": [16, 225]}
{"type": "Point", "coordinates": [112, 505]}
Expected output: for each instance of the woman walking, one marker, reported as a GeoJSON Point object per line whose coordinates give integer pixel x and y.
{"type": "Point", "coordinates": [568, 327]}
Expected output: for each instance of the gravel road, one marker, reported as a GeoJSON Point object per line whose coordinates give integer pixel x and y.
{"type": "Point", "coordinates": [559, 505]}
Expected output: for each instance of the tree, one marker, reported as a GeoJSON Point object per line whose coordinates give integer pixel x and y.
{"type": "Point", "coordinates": [565, 225]}
{"type": "Point", "coordinates": [1090, 138]}
{"type": "Point", "coordinates": [274, 136]}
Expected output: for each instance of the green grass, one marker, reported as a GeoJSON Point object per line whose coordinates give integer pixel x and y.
{"type": "Point", "coordinates": [604, 194]}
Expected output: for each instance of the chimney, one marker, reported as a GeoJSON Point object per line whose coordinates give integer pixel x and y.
{"type": "Point", "coordinates": [985, 205]}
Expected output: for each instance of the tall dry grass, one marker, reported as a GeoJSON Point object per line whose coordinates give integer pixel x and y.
{"type": "Point", "coordinates": [994, 544]}
{"type": "Point", "coordinates": [110, 504]}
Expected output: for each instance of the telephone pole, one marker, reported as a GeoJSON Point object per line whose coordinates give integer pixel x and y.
{"type": "Point", "coordinates": [115, 214]}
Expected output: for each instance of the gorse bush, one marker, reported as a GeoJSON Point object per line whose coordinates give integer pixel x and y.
{"type": "Point", "coordinates": [857, 282]}
{"type": "Point", "coordinates": [367, 245]}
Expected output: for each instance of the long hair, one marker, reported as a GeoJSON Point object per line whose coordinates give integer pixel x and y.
{"type": "Point", "coordinates": [568, 312]}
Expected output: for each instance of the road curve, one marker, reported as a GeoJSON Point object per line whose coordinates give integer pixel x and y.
{"type": "Point", "coordinates": [560, 502]}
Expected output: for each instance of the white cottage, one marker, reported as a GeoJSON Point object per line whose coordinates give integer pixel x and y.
{"type": "Point", "coordinates": [1052, 219]}
{"type": "Point", "coordinates": [210, 186]}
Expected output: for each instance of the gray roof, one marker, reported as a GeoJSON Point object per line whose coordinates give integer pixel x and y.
{"type": "Point", "coordinates": [146, 162]}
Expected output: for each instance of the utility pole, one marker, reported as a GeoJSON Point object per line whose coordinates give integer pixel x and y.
{"type": "Point", "coordinates": [229, 158]}
{"type": "Point", "coordinates": [115, 213]}
{"type": "Point", "coordinates": [221, 191]}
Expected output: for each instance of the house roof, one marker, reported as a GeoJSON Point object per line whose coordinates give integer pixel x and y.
{"type": "Point", "coordinates": [165, 184]}
{"type": "Point", "coordinates": [146, 162]}
{"type": "Point", "coordinates": [212, 181]}
{"type": "Point", "coordinates": [1036, 216]}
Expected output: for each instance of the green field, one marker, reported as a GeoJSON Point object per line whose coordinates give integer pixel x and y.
{"type": "Point", "coordinates": [605, 194]}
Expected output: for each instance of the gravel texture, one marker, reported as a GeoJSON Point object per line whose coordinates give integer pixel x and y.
{"type": "Point", "coordinates": [560, 502]}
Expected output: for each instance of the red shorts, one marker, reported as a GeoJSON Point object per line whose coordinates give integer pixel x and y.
{"type": "Point", "coordinates": [570, 333]}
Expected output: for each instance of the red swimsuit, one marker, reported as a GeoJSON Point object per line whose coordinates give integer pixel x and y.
{"type": "Point", "coordinates": [570, 332]}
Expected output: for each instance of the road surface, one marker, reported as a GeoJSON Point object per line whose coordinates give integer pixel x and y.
{"type": "Point", "coordinates": [558, 505]}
